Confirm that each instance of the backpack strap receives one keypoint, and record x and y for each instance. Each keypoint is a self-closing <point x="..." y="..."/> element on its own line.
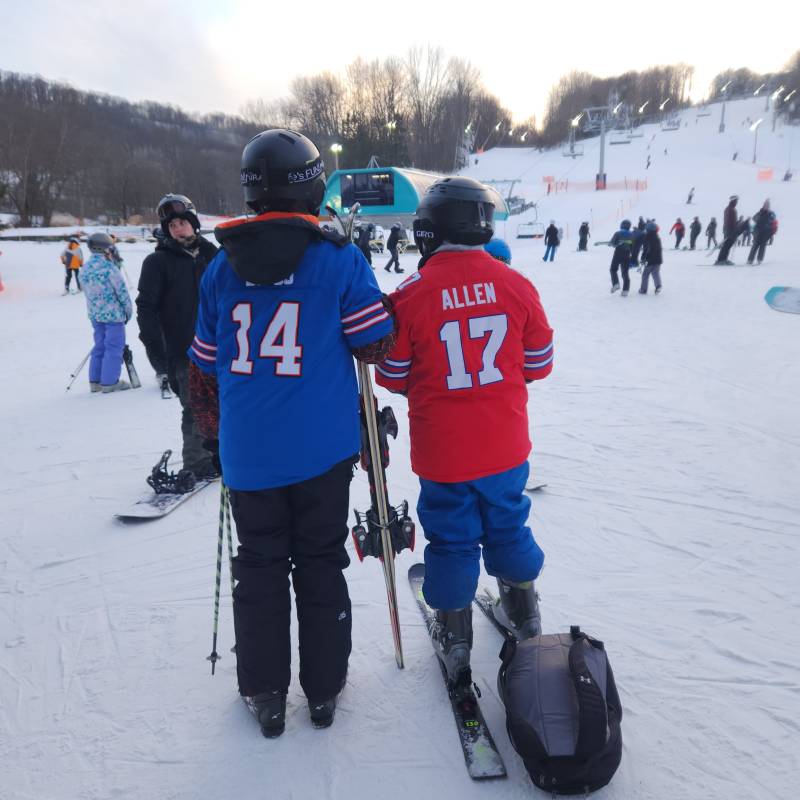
<point x="507" y="652"/>
<point x="592" y="710"/>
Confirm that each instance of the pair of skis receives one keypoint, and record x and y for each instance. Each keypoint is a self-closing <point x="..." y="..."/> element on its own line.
<point x="383" y="530"/>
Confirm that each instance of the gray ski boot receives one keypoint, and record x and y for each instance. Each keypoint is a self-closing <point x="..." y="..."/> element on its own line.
<point x="452" y="640"/>
<point x="518" y="608"/>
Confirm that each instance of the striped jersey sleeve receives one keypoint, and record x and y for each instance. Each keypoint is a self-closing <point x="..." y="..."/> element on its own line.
<point x="203" y="350"/>
<point x="392" y="373"/>
<point x="538" y="341"/>
<point x="364" y="319"/>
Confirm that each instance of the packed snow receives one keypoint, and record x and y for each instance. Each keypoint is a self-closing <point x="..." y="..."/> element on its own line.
<point x="668" y="436"/>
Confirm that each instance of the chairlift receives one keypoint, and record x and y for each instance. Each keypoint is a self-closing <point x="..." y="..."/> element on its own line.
<point x="530" y="230"/>
<point x="635" y="134"/>
<point x="619" y="140"/>
<point x="703" y="114"/>
<point x="671" y="124"/>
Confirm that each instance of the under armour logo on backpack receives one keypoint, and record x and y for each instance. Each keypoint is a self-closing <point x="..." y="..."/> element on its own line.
<point x="342" y="615"/>
<point x="584" y="679"/>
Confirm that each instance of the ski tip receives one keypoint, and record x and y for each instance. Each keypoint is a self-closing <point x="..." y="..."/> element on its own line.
<point x="416" y="571"/>
<point x="535" y="487"/>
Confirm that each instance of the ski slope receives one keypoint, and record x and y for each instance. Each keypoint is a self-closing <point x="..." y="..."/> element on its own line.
<point x="668" y="435"/>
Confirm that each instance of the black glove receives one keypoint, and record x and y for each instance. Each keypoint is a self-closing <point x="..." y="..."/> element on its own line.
<point x="212" y="447"/>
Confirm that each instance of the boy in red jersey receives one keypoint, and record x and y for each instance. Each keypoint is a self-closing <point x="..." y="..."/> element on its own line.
<point x="471" y="333"/>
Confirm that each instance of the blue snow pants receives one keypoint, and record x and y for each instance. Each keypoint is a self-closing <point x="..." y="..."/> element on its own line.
<point x="459" y="519"/>
<point x="105" y="363"/>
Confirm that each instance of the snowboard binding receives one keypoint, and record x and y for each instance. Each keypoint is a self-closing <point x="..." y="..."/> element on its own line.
<point x="368" y="528"/>
<point x="162" y="481"/>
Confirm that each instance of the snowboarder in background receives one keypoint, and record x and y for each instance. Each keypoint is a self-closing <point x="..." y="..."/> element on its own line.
<point x="551" y="241"/>
<point x="694" y="231"/>
<point x="729" y="232"/>
<point x="280" y="407"/>
<point x="499" y="249"/>
<point x="679" y="229"/>
<point x="583" y="236"/>
<point x="653" y="259"/>
<point x="364" y="237"/>
<point x="763" y="228"/>
<point x="167" y="309"/>
<point x="72" y="259"/>
<point x="690" y="197"/>
<point x="109" y="308"/>
<point x="391" y="246"/>
<point x="622" y="242"/>
<point x="469" y="429"/>
<point x="711" y="232"/>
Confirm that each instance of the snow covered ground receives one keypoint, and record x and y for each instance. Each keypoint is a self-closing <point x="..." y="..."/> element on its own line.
<point x="668" y="434"/>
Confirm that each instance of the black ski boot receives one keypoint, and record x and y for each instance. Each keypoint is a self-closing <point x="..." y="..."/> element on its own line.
<point x="322" y="713"/>
<point x="518" y="608"/>
<point x="269" y="708"/>
<point x="452" y="640"/>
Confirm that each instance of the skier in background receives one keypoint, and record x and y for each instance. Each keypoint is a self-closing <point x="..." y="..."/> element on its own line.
<point x="763" y="221"/>
<point x="711" y="232"/>
<point x="364" y="237"/>
<point x="391" y="246"/>
<point x="679" y="229"/>
<point x="280" y="408"/>
<point x="167" y="309"/>
<point x="583" y="236"/>
<point x="622" y="242"/>
<point x="694" y="231"/>
<point x="469" y="425"/>
<point x="551" y="241"/>
<point x="653" y="258"/>
<point x="730" y="232"/>
<point x="109" y="308"/>
<point x="690" y="197"/>
<point x="747" y="231"/>
<point x="72" y="259"/>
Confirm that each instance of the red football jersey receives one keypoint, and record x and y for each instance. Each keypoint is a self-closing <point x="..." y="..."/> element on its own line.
<point x="470" y="332"/>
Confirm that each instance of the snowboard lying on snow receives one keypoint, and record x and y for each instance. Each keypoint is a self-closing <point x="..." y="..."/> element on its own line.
<point x="169" y="490"/>
<point x="784" y="298"/>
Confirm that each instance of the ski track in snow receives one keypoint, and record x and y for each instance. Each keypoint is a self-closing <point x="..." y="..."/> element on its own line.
<point x="669" y="439"/>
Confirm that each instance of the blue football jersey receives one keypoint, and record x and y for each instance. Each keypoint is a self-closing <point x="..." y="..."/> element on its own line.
<point x="288" y="395"/>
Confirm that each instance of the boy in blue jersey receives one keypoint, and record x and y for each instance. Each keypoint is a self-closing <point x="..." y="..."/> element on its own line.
<point x="283" y="309"/>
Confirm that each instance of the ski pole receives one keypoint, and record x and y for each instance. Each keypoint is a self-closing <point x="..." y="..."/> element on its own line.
<point x="223" y="499"/>
<point x="77" y="370"/>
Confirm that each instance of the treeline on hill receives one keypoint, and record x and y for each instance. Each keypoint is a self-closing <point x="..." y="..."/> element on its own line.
<point x="103" y="157"/>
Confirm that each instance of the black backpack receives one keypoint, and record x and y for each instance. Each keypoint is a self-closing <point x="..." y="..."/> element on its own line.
<point x="562" y="710"/>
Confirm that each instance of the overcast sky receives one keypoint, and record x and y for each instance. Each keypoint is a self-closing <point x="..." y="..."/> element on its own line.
<point x="213" y="55"/>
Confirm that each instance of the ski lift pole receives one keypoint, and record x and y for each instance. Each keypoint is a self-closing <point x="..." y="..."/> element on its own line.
<point x="382" y="507"/>
<point x="77" y="371"/>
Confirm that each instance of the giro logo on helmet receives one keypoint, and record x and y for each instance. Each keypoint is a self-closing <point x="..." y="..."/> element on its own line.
<point x="425" y="234"/>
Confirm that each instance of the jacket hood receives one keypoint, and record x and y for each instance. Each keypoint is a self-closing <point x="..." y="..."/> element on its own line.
<point x="267" y="249"/>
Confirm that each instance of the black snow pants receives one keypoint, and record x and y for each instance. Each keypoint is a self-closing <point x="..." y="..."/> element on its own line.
<point x="68" y="279"/>
<point x="299" y="529"/>
<point x="725" y="248"/>
<point x="758" y="249"/>
<point x="195" y="457"/>
<point x="621" y="260"/>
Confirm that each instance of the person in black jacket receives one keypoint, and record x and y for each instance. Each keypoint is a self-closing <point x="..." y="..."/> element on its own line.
<point x="391" y="246"/>
<point x="711" y="233"/>
<point x="166" y="310"/>
<point x="364" y="236"/>
<point x="583" y="236"/>
<point x="694" y="231"/>
<point x="654" y="258"/>
<point x="551" y="241"/>
<point x="762" y="233"/>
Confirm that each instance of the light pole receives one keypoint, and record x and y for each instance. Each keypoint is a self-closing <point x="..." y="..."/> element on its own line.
<point x="643" y="106"/>
<point x="722" y="116"/>
<point x="661" y="107"/>
<point x="336" y="149"/>
<point x="754" y="128"/>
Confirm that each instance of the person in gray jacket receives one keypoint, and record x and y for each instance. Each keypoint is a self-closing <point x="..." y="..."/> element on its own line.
<point x="654" y="258"/>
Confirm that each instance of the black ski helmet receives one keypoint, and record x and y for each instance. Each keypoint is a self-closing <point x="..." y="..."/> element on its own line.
<point x="282" y="170"/>
<point x="100" y="243"/>
<point x="458" y="210"/>
<point x="177" y="206"/>
<point x="625" y="224"/>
